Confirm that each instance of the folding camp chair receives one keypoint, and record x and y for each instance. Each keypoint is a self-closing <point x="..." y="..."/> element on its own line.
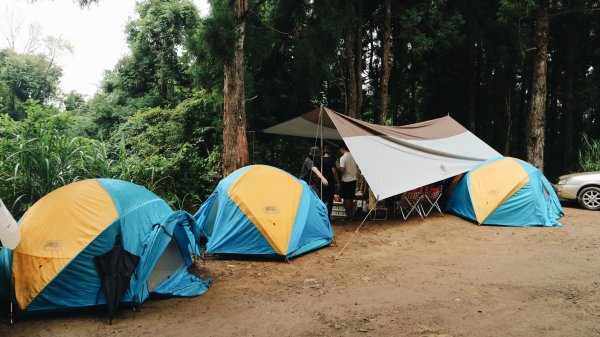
<point x="409" y="201"/>
<point x="431" y="197"/>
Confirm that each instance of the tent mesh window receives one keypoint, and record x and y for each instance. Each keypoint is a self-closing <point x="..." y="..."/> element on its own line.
<point x="170" y="262"/>
<point x="546" y="194"/>
<point x="210" y="220"/>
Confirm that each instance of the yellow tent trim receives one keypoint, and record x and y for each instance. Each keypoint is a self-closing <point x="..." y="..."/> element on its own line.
<point x="493" y="184"/>
<point x="270" y="198"/>
<point x="58" y="227"/>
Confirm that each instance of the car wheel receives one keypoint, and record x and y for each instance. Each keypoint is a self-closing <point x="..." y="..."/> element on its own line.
<point x="589" y="198"/>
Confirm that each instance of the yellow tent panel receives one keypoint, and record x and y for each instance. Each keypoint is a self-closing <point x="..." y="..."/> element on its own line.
<point x="69" y="227"/>
<point x="271" y="208"/>
<point x="494" y="183"/>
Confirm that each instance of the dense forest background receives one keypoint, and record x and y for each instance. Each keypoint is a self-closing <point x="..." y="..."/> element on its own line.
<point x="189" y="102"/>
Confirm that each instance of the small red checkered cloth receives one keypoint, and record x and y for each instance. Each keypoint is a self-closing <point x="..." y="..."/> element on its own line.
<point x="433" y="191"/>
<point x="411" y="196"/>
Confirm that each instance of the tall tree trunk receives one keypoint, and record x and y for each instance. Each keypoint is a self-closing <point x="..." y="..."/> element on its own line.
<point x="385" y="62"/>
<point x="358" y="64"/>
<point x="508" y="104"/>
<point x="351" y="93"/>
<point x="412" y="104"/>
<point x="353" y="57"/>
<point x="537" y="114"/>
<point x="471" y="41"/>
<point x="503" y="99"/>
<point x="553" y="118"/>
<point x="520" y="118"/>
<point x="235" y="143"/>
<point x="571" y="60"/>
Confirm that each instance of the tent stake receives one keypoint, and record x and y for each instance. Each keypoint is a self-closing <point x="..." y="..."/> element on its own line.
<point x="11" y="315"/>
<point x="365" y="219"/>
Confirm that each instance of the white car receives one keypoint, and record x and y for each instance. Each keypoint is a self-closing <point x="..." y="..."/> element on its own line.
<point x="583" y="187"/>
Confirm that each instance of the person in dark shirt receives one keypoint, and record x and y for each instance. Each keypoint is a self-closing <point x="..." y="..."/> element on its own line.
<point x="331" y="175"/>
<point x="310" y="172"/>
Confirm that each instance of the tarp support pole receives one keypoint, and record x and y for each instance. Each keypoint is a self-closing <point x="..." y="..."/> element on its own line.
<point x="321" y="132"/>
<point x="356" y="231"/>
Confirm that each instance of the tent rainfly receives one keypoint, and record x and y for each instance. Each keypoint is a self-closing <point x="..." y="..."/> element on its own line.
<point x="96" y="242"/>
<point x="506" y="191"/>
<point x="264" y="211"/>
<point x="396" y="159"/>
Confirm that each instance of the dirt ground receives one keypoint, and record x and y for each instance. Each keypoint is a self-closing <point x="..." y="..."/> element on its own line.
<point x="439" y="277"/>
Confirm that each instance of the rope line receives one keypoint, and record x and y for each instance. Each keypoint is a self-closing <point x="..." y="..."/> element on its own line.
<point x="356" y="231"/>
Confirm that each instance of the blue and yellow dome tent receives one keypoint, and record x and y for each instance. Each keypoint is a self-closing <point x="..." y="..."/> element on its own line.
<point x="508" y="192"/>
<point x="53" y="267"/>
<point x="262" y="210"/>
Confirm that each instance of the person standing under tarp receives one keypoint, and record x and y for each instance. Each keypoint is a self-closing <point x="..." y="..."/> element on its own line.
<point x="349" y="170"/>
<point x="331" y="175"/>
<point x="310" y="173"/>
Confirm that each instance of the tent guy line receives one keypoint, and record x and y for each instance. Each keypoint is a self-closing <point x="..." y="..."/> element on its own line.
<point x="356" y="231"/>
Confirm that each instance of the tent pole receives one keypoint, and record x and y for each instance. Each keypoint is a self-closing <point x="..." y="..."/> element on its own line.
<point x="321" y="132"/>
<point x="365" y="219"/>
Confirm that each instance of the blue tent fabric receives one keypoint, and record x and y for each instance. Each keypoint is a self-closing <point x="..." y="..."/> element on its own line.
<point x="534" y="204"/>
<point x="177" y="226"/>
<point x="513" y="210"/>
<point x="61" y="293"/>
<point x="230" y="231"/>
<point x="136" y="205"/>
<point x="555" y="210"/>
<point x="147" y="225"/>
<point x="236" y="233"/>
<point x="308" y="229"/>
<point x="5" y="268"/>
<point x="459" y="202"/>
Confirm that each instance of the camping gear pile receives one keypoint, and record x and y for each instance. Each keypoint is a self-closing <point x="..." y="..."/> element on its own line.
<point x="401" y="160"/>
<point x="110" y="242"/>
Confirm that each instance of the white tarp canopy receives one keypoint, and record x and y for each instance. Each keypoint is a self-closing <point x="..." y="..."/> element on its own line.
<point x="396" y="159"/>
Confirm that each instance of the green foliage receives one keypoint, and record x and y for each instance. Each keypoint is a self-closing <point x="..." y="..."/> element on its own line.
<point x="155" y="74"/>
<point x="74" y="101"/>
<point x="426" y="26"/>
<point x="102" y="115"/>
<point x="510" y="10"/>
<point x="24" y="77"/>
<point x="157" y="118"/>
<point x="589" y="155"/>
<point x="39" y="154"/>
<point x="155" y="38"/>
<point x="217" y="35"/>
<point x="174" y="152"/>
